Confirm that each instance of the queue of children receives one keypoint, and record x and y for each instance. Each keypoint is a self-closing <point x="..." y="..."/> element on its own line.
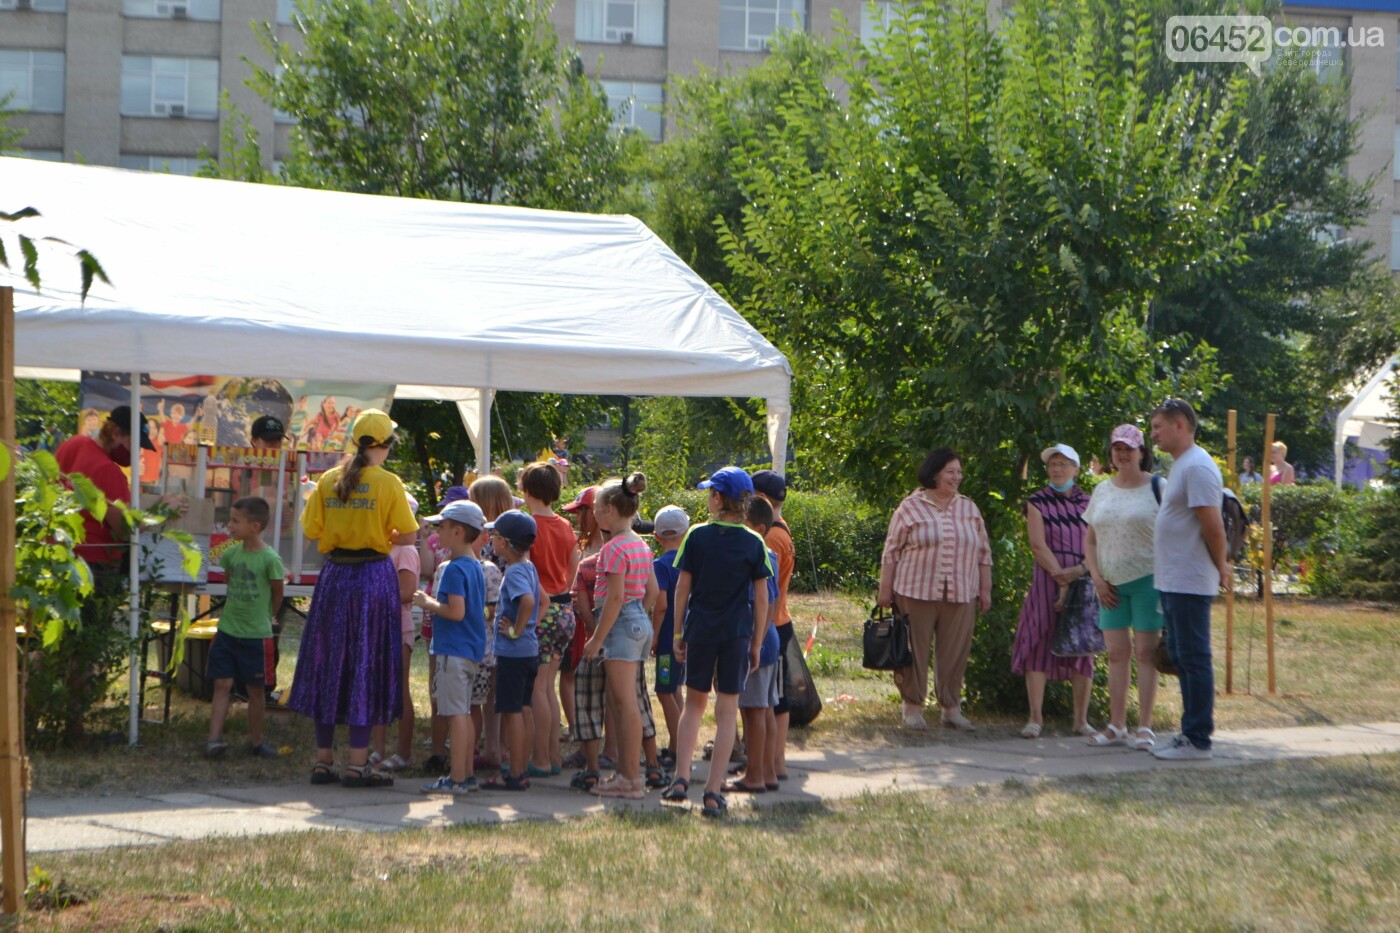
<point x="513" y="603"/>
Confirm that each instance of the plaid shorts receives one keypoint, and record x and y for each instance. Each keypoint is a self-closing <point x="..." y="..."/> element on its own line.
<point x="590" y="689"/>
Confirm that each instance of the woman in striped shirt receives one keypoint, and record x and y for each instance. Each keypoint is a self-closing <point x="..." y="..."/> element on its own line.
<point x="937" y="568"/>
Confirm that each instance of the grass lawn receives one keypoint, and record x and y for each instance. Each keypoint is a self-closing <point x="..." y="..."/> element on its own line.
<point x="1335" y="664"/>
<point x="1296" y="845"/>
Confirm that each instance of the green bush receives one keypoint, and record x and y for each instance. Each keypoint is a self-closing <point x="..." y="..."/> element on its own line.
<point x="1324" y="533"/>
<point x="1370" y="569"/>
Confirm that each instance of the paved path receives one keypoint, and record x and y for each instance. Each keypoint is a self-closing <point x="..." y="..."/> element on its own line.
<point x="64" y="823"/>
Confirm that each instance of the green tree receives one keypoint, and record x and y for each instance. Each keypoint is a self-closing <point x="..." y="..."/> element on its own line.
<point x="463" y="100"/>
<point x="1305" y="309"/>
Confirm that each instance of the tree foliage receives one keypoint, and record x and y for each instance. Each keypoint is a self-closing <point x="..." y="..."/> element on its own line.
<point x="462" y="100"/>
<point x="964" y="252"/>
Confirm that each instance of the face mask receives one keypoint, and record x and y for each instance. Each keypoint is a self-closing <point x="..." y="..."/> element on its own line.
<point x="1062" y="487"/>
<point x="121" y="454"/>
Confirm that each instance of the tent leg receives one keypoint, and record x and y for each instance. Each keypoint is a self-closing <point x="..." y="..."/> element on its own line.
<point x="483" y="432"/>
<point x="134" y="610"/>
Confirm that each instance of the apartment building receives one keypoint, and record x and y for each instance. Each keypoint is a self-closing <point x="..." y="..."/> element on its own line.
<point x="135" y="83"/>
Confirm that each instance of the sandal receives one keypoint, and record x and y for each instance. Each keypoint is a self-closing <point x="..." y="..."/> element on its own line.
<point x="395" y="762"/>
<point x="623" y="788"/>
<point x="1031" y="730"/>
<point x="657" y="778"/>
<point x="1112" y="735"/>
<point x="714" y="805"/>
<point x="576" y="760"/>
<point x="585" y="780"/>
<point x="678" y="792"/>
<point x="737" y="787"/>
<point x="322" y="773"/>
<point x="507" y="782"/>
<point x="1086" y="729"/>
<point x="667" y="759"/>
<point x="708" y="751"/>
<point x="533" y="771"/>
<point x="365" y="775"/>
<point x="1144" y="739"/>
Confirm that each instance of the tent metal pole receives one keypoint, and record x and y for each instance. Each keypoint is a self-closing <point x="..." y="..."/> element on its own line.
<point x="483" y="431"/>
<point x="134" y="562"/>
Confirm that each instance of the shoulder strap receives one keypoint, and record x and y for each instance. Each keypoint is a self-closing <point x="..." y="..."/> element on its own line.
<point x="1157" y="488"/>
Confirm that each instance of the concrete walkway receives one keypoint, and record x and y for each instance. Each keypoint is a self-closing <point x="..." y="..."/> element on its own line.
<point x="65" y="823"/>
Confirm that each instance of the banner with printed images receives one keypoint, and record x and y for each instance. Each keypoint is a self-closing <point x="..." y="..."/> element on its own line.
<point x="220" y="410"/>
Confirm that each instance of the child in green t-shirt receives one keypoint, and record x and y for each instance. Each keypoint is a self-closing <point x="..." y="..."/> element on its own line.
<point x="243" y="648"/>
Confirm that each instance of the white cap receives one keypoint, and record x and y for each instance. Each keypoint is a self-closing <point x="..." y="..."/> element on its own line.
<point x="671" y="520"/>
<point x="1067" y="451"/>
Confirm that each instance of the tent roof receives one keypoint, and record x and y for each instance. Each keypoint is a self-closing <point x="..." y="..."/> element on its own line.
<point x="265" y="280"/>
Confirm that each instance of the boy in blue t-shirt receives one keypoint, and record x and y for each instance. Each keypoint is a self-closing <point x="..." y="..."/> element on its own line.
<point x="459" y="637"/>
<point x="517" y="641"/>
<point x="716" y="624"/>
<point x="669" y="528"/>
<point x="761" y="688"/>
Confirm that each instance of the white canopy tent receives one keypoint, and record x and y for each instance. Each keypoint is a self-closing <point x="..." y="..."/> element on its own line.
<point x="1363" y="418"/>
<point x="447" y="301"/>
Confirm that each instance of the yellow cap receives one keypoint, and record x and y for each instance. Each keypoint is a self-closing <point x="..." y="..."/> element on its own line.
<point x="372" y="423"/>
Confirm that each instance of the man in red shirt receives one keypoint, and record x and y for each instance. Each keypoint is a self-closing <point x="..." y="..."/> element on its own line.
<point x="100" y="460"/>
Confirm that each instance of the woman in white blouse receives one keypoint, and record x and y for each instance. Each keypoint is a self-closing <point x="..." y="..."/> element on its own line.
<point x="1118" y="553"/>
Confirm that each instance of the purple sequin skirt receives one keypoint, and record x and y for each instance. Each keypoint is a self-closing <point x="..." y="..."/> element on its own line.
<point x="349" y="667"/>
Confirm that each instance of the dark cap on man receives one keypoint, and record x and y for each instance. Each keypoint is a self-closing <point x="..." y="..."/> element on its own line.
<point x="121" y="415"/>
<point x="268" y="428"/>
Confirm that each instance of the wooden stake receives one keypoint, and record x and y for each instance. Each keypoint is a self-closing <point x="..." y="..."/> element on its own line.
<point x="1266" y="523"/>
<point x="1230" y="593"/>
<point x="11" y="737"/>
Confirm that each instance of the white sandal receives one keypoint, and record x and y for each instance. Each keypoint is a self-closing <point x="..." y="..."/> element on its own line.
<point x="394" y="762"/>
<point x="1112" y="735"/>
<point x="1144" y="740"/>
<point x="1031" y="730"/>
<point x="1086" y="729"/>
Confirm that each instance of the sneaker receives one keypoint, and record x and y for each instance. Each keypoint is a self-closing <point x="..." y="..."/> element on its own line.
<point x="262" y="750"/>
<point x="215" y="748"/>
<point x="445" y="785"/>
<point x="1180" y="749"/>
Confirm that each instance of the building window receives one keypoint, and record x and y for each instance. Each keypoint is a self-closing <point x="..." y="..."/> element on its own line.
<point x="747" y="25"/>
<point x="170" y="165"/>
<point x="38" y="6"/>
<point x="630" y="22"/>
<point x="875" y="17"/>
<point x="286" y="9"/>
<point x="172" y="9"/>
<point x="31" y="81"/>
<point x="636" y="105"/>
<point x="41" y="155"/>
<point x="169" y="87"/>
<point x="1395" y="243"/>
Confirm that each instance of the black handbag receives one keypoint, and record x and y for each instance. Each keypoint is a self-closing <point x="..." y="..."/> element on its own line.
<point x="803" y="701"/>
<point x="886" y="641"/>
<point x="1077" y="632"/>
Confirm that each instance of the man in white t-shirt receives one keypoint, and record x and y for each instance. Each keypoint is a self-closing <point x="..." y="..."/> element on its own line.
<point x="1190" y="567"/>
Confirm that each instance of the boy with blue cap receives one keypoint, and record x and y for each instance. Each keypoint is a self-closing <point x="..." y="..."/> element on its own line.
<point x="718" y="634"/>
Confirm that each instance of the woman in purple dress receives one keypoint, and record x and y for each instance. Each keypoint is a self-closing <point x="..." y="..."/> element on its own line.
<point x="1055" y="526"/>
<point x="348" y="668"/>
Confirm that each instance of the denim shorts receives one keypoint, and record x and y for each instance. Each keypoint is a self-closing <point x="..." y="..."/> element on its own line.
<point x="630" y="637"/>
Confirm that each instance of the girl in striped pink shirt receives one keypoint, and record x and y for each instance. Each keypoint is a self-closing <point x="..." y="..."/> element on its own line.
<point x="626" y="590"/>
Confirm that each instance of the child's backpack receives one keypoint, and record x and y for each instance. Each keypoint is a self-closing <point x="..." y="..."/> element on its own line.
<point x="1232" y="515"/>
